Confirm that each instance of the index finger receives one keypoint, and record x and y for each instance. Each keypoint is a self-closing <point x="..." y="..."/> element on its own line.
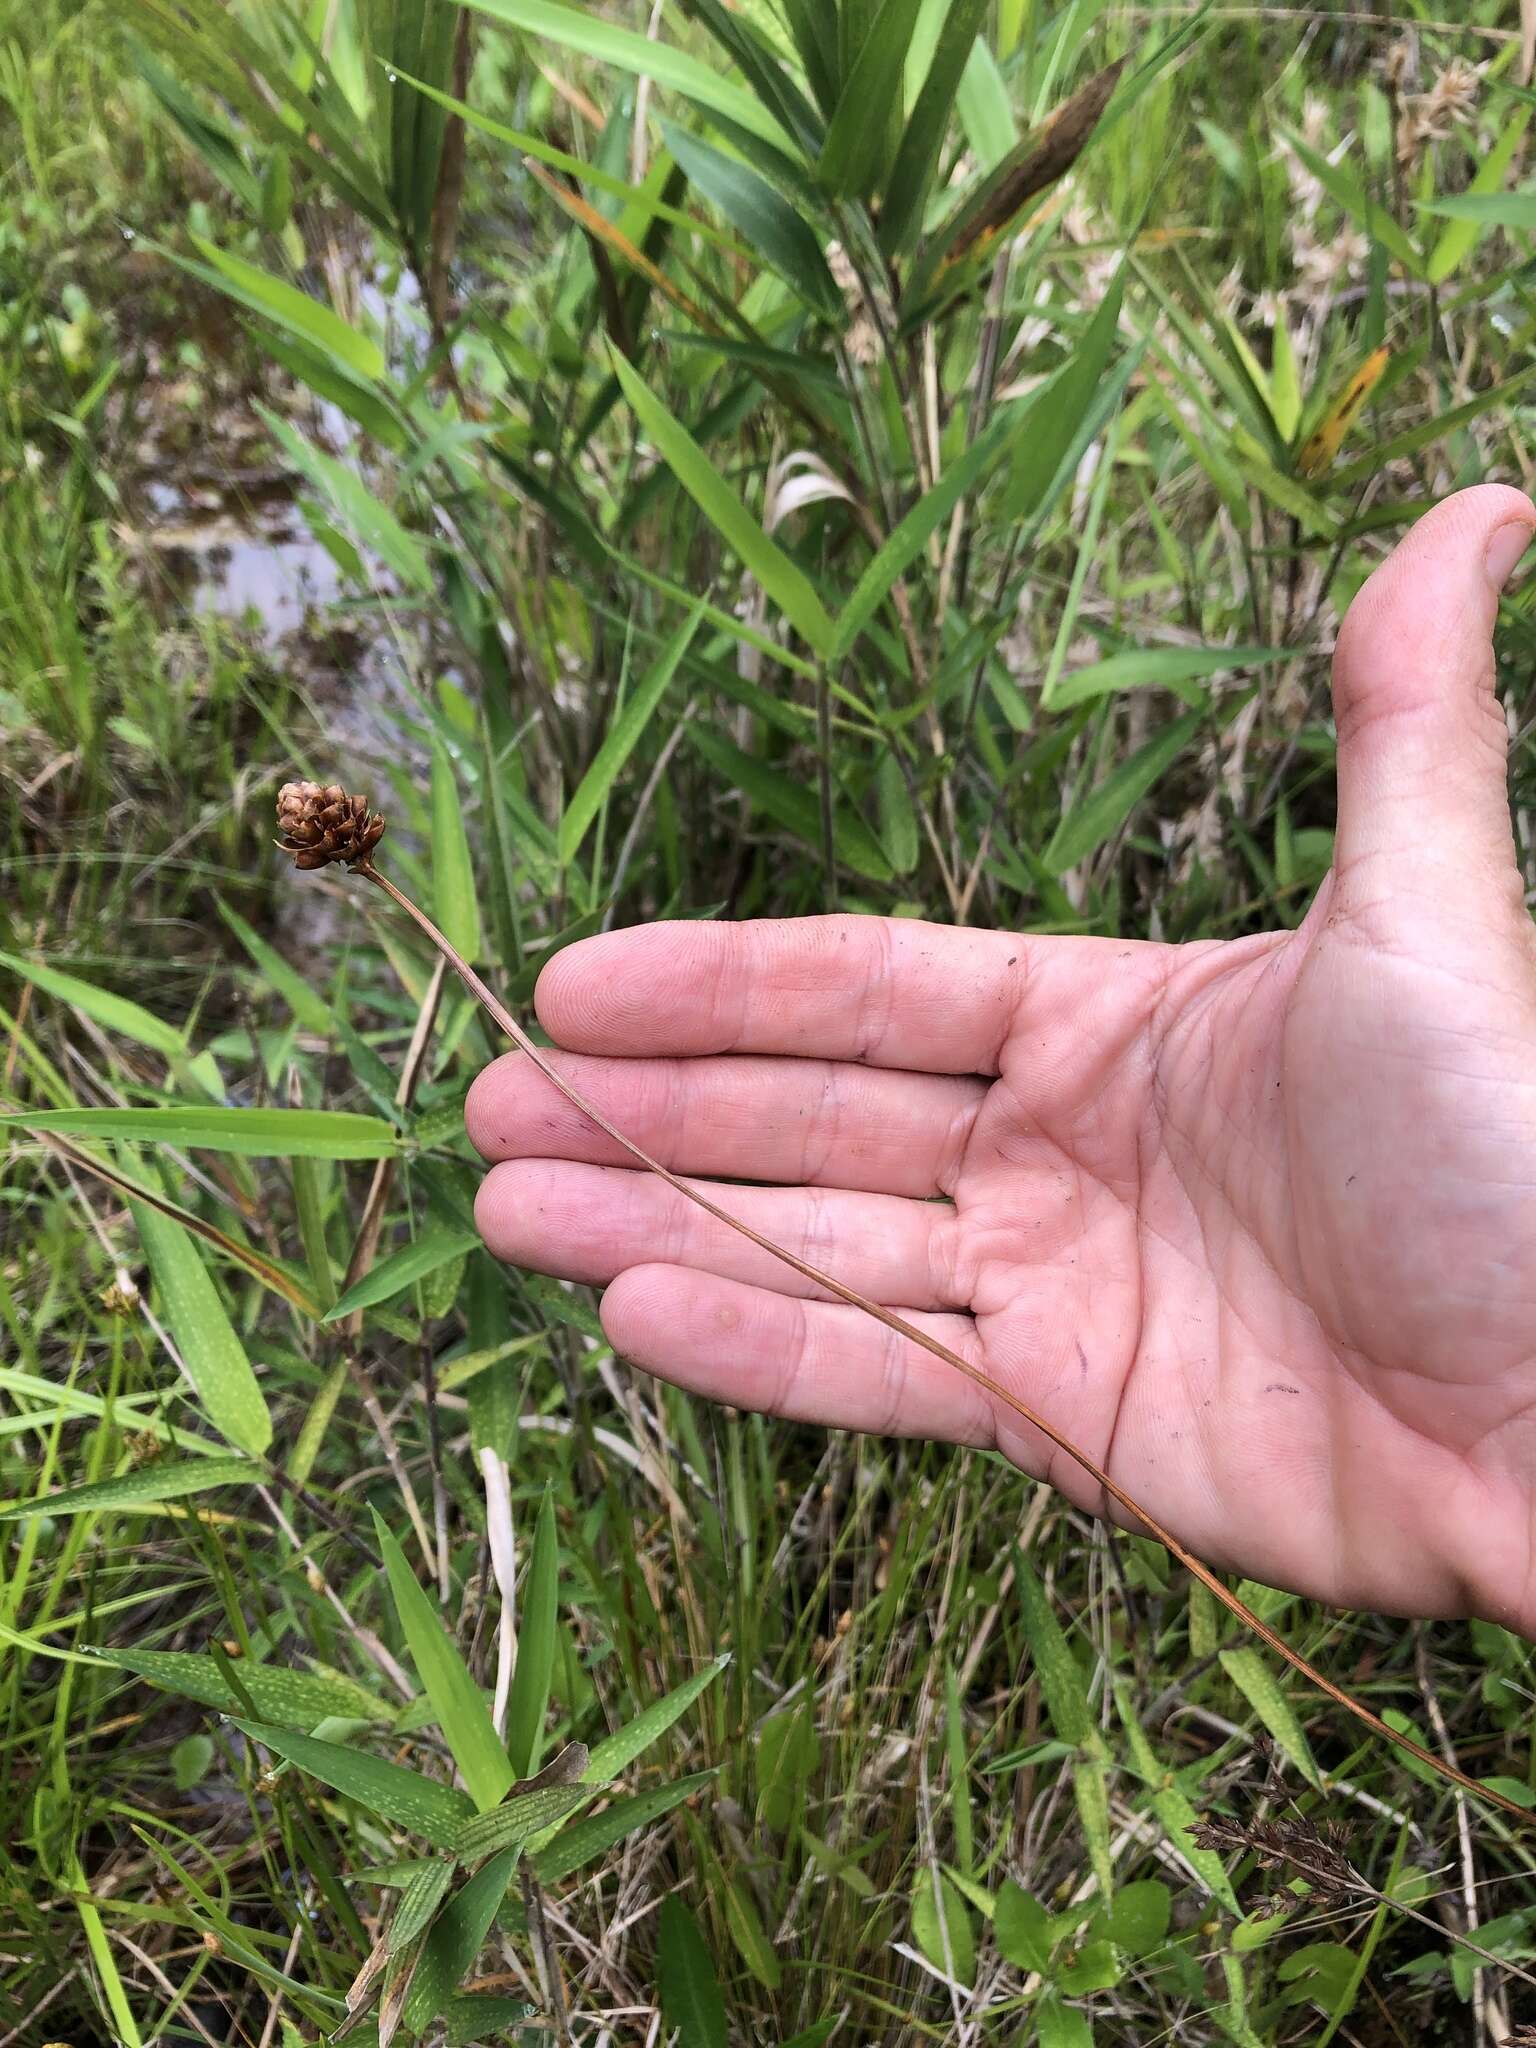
<point x="891" y="992"/>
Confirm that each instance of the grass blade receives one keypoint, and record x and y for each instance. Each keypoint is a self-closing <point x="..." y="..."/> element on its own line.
<point x="911" y="180"/>
<point x="620" y="1749"/>
<point x="212" y="1355"/>
<point x="1087" y="825"/>
<point x="423" y="1255"/>
<point x="457" y="1701"/>
<point x="455" y="1940"/>
<point x="293" y="1699"/>
<point x="294" y="311"/>
<point x="113" y="1013"/>
<point x="691" y="2000"/>
<point x="584" y="1840"/>
<point x="166" y="1479"/>
<point x="770" y="224"/>
<point x="592" y="36"/>
<point x="785" y="583"/>
<point x="435" y="1812"/>
<point x="858" y="135"/>
<point x="453" y="873"/>
<point x="251" y="1133"/>
<point x="529" y="1696"/>
<point x="621" y="739"/>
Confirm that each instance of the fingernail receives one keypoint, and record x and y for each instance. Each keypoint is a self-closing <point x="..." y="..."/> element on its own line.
<point x="1506" y="547"/>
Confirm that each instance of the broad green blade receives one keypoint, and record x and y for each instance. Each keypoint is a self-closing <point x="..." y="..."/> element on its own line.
<point x="165" y="1479"/>
<point x="788" y="585"/>
<point x="211" y="1353"/>
<point x="436" y="1812"/>
<point x="254" y="1133"/>
<point x="456" y="1700"/>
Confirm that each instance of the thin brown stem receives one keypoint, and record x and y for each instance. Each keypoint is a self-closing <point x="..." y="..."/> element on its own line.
<point x="901" y="1328"/>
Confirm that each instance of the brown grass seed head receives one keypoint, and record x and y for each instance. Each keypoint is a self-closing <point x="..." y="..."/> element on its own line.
<point x="321" y="823"/>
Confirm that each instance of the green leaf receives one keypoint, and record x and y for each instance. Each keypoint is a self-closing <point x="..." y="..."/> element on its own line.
<point x="1090" y="1790"/>
<point x="1162" y="668"/>
<point x="294" y="310"/>
<point x="1513" y="210"/>
<point x="455" y="1941"/>
<point x="292" y="1699"/>
<point x="529" y="1696"/>
<point x="1066" y="1695"/>
<point x="617" y="1751"/>
<point x="456" y="1700"/>
<point x="788" y="585"/>
<point x="308" y="1006"/>
<point x="907" y="540"/>
<point x="772" y="226"/>
<point x="644" y="56"/>
<point x="792" y="805"/>
<point x="1072" y="391"/>
<point x="212" y="1355"/>
<point x="372" y="525"/>
<point x="911" y="180"/>
<point x="254" y="1133"/>
<point x="584" y="1840"/>
<point x="746" y="1928"/>
<point x="787" y="1752"/>
<point x="1344" y="190"/>
<point x="621" y="739"/>
<point x="1138" y="1920"/>
<point x="1093" y="1968"/>
<point x="522" y="1817"/>
<point x="1088" y="824"/>
<point x="484" y="2016"/>
<point x="854" y="153"/>
<point x="940" y="1921"/>
<point x="1172" y="1807"/>
<point x="1022" y="1928"/>
<point x="423" y="1255"/>
<point x="1460" y="238"/>
<point x="191" y="1761"/>
<point x="1059" y="2026"/>
<point x="1262" y="1690"/>
<point x="435" y="1812"/>
<point x="898" y="820"/>
<point x="453" y="873"/>
<point x="689" y="1990"/>
<point x="419" y="1900"/>
<point x="113" y="1013"/>
<point x="165" y="1479"/>
<point x="985" y="110"/>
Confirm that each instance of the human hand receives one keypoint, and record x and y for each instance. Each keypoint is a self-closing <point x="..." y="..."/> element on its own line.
<point x="1252" y="1223"/>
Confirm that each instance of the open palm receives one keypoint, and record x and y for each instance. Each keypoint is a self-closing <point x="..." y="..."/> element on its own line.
<point x="1253" y="1224"/>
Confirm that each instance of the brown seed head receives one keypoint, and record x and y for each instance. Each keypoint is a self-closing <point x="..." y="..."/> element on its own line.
<point x="321" y="823"/>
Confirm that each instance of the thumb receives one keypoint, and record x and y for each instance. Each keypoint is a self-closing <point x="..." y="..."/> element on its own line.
<point x="1423" y="801"/>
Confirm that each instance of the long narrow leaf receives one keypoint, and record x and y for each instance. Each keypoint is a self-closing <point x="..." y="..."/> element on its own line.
<point x="456" y="1700"/>
<point x="212" y="1355"/>
<point x="435" y="1812"/>
<point x="253" y="1133"/>
<point x="787" y="585"/>
<point x="906" y="543"/>
<point x="529" y="1696"/>
<point x="621" y="739"/>
<point x="911" y="180"/>
<point x="1085" y="828"/>
<point x="592" y="36"/>
<point x="294" y="1699"/>
<point x="166" y="1479"/>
